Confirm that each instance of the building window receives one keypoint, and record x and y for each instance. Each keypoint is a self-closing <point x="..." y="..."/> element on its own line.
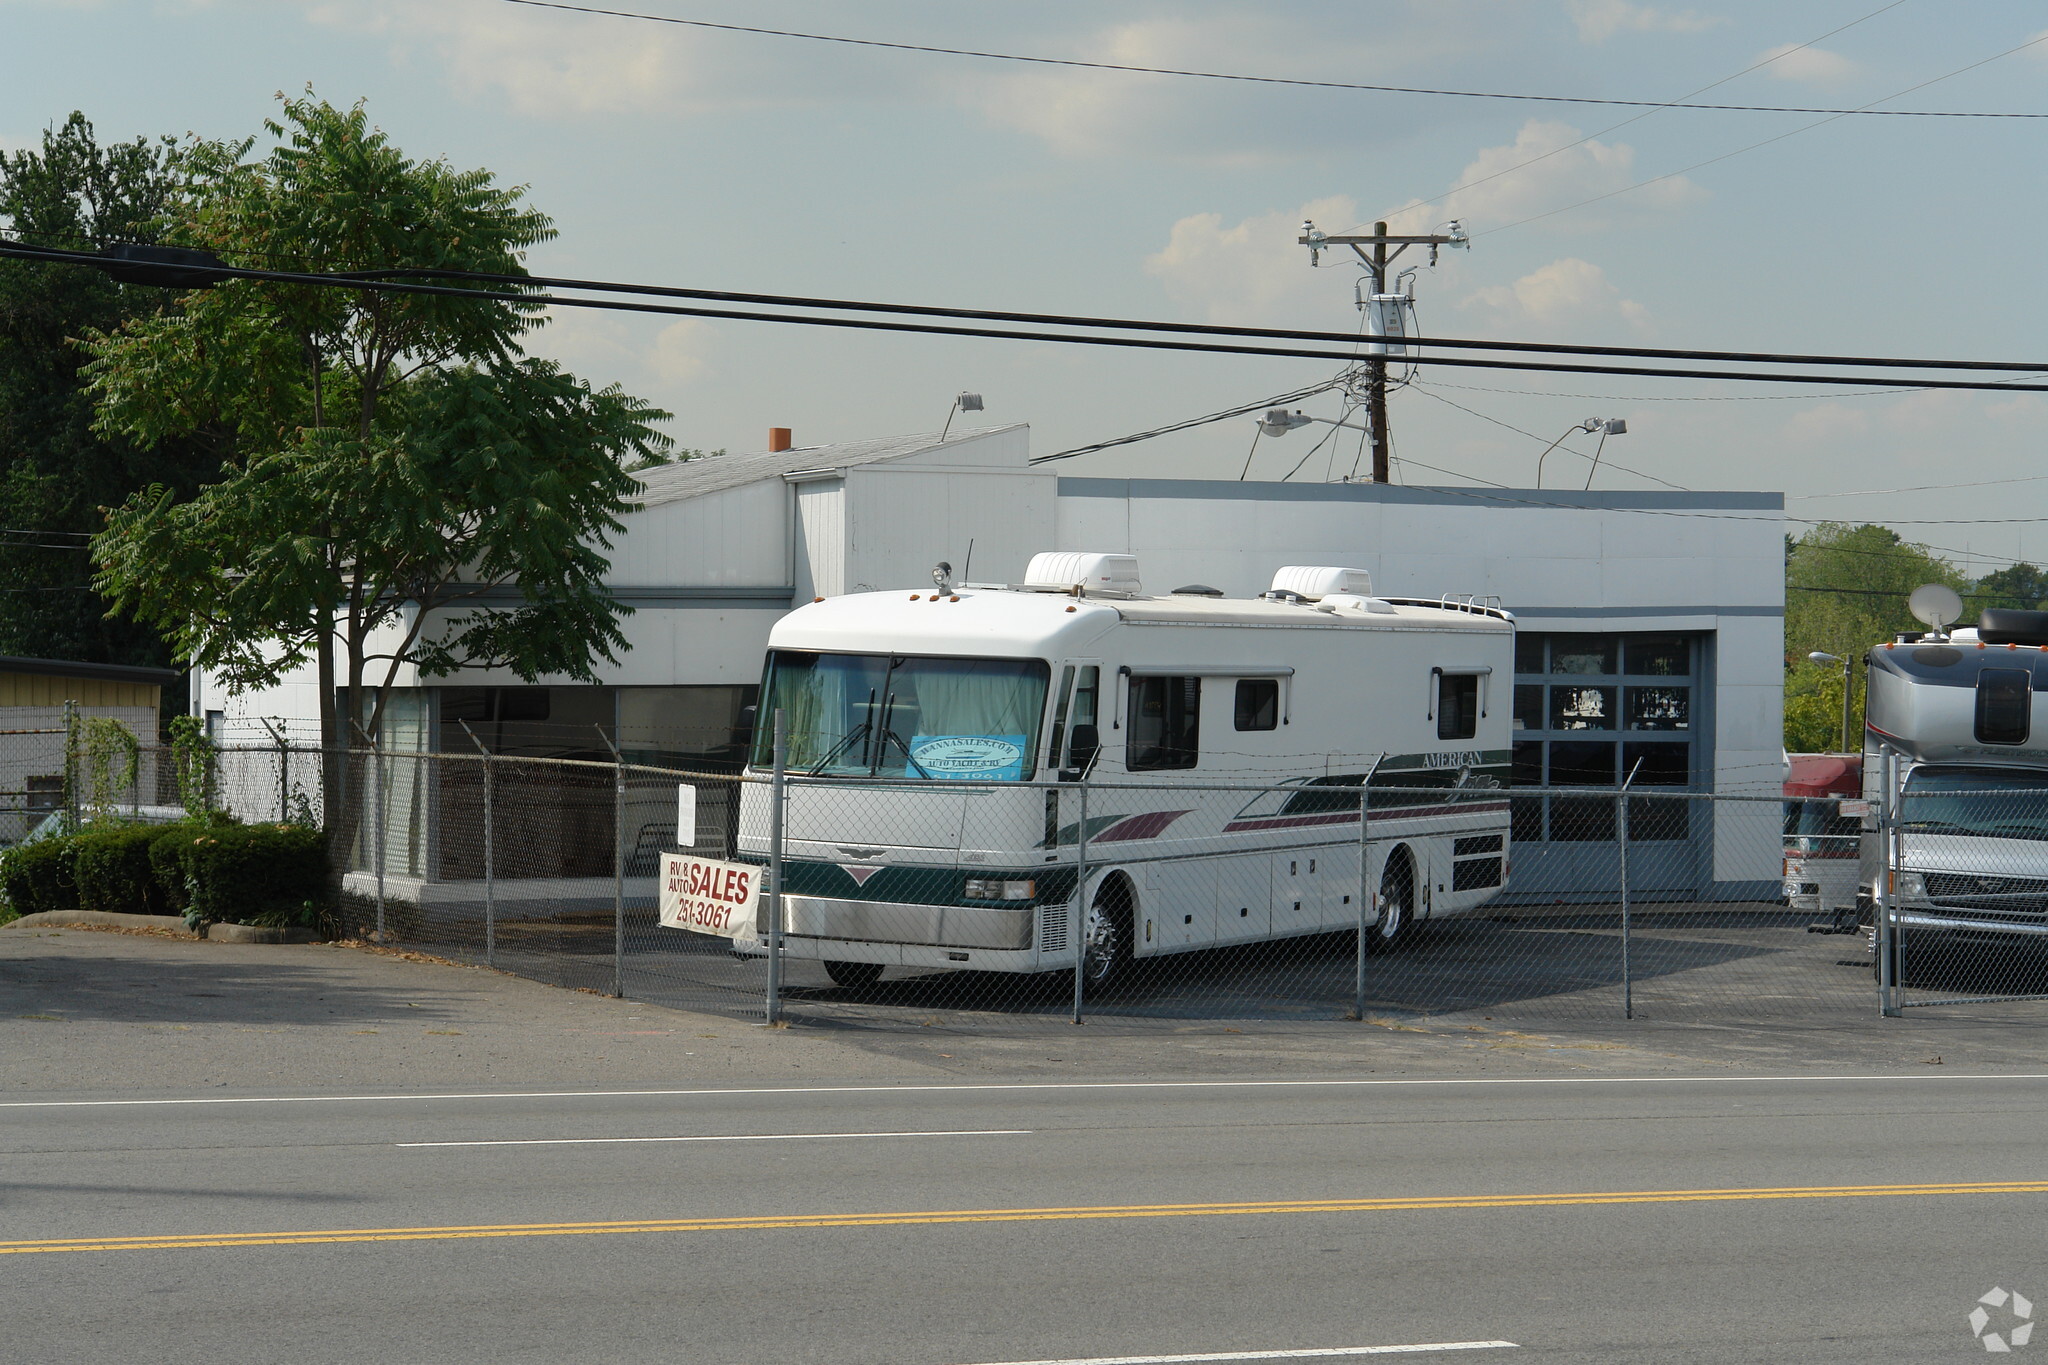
<point x="1258" y="704"/>
<point x="45" y="793"/>
<point x="1166" y="723"/>
<point x="1596" y="711"/>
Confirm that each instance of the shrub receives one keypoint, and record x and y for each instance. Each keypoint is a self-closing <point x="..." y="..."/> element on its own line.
<point x="40" y="875"/>
<point x="113" y="870"/>
<point x="166" y="870"/>
<point x="247" y="874"/>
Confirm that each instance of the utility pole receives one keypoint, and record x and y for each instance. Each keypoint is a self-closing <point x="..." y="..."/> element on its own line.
<point x="1387" y="312"/>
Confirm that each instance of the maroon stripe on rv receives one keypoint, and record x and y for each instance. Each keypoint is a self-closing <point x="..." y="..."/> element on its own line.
<point x="1351" y="817"/>
<point x="1146" y="826"/>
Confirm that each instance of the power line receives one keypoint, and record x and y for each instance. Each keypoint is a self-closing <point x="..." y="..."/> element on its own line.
<point x="1832" y="116"/>
<point x="1423" y="389"/>
<point x="1256" y="80"/>
<point x="1634" y="118"/>
<point x="1917" y="488"/>
<point x="388" y="280"/>
<point x="1276" y="401"/>
<point x="359" y="281"/>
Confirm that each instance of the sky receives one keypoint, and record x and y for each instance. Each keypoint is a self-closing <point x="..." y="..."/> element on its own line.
<point x="678" y="155"/>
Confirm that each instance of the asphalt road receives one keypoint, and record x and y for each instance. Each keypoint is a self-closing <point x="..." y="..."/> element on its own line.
<point x="1589" y="1219"/>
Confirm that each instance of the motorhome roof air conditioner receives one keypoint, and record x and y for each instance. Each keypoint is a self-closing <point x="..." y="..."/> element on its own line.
<point x="1315" y="582"/>
<point x="1094" y="572"/>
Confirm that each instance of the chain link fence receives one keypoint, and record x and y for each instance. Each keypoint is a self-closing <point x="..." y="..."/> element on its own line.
<point x="1961" y="891"/>
<point x="1002" y="904"/>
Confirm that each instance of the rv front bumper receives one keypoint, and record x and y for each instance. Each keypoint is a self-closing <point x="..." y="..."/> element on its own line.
<point x="939" y="926"/>
<point x="1920" y="918"/>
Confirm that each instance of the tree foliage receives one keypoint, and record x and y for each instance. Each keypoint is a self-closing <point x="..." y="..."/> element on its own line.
<point x="1845" y="590"/>
<point x="56" y="471"/>
<point x="402" y="485"/>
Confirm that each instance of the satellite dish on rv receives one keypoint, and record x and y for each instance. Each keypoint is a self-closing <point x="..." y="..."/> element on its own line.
<point x="1937" y="604"/>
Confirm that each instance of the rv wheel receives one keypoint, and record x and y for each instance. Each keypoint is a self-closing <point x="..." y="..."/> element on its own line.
<point x="853" y="974"/>
<point x="1397" y="904"/>
<point x="1106" y="938"/>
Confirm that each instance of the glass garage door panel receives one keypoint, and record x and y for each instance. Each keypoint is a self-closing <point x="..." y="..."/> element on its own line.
<point x="1592" y="711"/>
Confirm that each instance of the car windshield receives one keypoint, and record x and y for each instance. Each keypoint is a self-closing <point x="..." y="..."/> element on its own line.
<point x="880" y="715"/>
<point x="1997" y="803"/>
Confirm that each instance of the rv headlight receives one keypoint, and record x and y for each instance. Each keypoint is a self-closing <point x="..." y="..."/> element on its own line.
<point x="996" y="889"/>
<point x="1909" y="886"/>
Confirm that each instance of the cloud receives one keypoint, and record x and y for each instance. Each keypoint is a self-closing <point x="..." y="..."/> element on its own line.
<point x="1542" y="170"/>
<point x="682" y="350"/>
<point x="1254" y="271"/>
<point x="1091" y="113"/>
<point x="1565" y="295"/>
<point x="605" y="349"/>
<point x="1599" y="20"/>
<point x="1810" y="65"/>
<point x="541" y="65"/>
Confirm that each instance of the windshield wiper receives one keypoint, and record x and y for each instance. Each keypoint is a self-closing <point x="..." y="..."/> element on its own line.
<point x="853" y="736"/>
<point x="908" y="757"/>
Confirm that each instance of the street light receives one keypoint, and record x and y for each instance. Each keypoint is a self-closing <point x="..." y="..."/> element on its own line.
<point x="1606" y="426"/>
<point x="1846" y="664"/>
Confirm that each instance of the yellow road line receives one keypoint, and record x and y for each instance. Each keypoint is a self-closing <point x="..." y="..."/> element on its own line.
<point x="763" y="1222"/>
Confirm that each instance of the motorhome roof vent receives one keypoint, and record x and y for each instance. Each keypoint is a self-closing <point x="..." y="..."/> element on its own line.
<point x="2011" y="626"/>
<point x="1198" y="590"/>
<point x="1092" y="572"/>
<point x="1315" y="582"/>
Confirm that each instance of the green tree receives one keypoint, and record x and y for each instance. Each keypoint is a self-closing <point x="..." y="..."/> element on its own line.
<point x="2017" y="585"/>
<point x="402" y="485"/>
<point x="1845" y="591"/>
<point x="56" y="471"/>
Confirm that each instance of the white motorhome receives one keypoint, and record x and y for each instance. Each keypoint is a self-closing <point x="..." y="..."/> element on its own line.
<point x="939" y="741"/>
<point x="1964" y="717"/>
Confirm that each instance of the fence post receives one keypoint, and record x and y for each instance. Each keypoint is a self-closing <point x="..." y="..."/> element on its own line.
<point x="1628" y="985"/>
<point x="1888" y="951"/>
<point x="71" y="821"/>
<point x="778" y="790"/>
<point x="1080" y="916"/>
<point x="490" y="851"/>
<point x="618" y="865"/>
<point x="377" y="831"/>
<point x="1365" y="907"/>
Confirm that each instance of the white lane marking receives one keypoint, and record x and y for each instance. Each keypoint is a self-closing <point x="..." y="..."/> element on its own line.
<point x="1318" y="1353"/>
<point x="723" y="1137"/>
<point x="1442" y="1081"/>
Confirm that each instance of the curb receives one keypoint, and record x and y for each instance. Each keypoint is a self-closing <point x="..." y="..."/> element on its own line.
<point x="57" y="918"/>
<point x="250" y="933"/>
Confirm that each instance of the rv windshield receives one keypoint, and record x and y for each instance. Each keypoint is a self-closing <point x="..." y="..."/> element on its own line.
<point x="1993" y="803"/>
<point x="880" y="715"/>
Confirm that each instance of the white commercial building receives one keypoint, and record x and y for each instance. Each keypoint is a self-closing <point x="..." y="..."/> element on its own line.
<point x="1650" y="623"/>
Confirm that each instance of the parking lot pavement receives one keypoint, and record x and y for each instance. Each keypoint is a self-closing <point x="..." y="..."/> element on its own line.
<point x="82" y="1011"/>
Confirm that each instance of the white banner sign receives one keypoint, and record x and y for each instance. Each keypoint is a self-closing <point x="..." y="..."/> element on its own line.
<point x="706" y="896"/>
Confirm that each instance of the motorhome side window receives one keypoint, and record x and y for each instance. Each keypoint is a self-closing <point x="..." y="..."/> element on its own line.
<point x="2005" y="698"/>
<point x="1258" y="704"/>
<point x="1457" y="705"/>
<point x="1166" y="723"/>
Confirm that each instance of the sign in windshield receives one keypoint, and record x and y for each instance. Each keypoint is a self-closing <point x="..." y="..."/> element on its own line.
<point x="897" y="716"/>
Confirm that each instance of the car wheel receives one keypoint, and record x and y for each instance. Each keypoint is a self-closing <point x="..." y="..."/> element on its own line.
<point x="1396" y="922"/>
<point x="1106" y="940"/>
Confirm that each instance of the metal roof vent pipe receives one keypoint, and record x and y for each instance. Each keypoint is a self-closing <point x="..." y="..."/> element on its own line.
<point x="778" y="440"/>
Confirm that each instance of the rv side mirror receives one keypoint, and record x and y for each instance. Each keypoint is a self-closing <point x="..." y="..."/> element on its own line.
<point x="1081" y="752"/>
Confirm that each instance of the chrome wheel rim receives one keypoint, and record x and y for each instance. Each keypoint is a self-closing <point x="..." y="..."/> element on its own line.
<point x="1098" y="944"/>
